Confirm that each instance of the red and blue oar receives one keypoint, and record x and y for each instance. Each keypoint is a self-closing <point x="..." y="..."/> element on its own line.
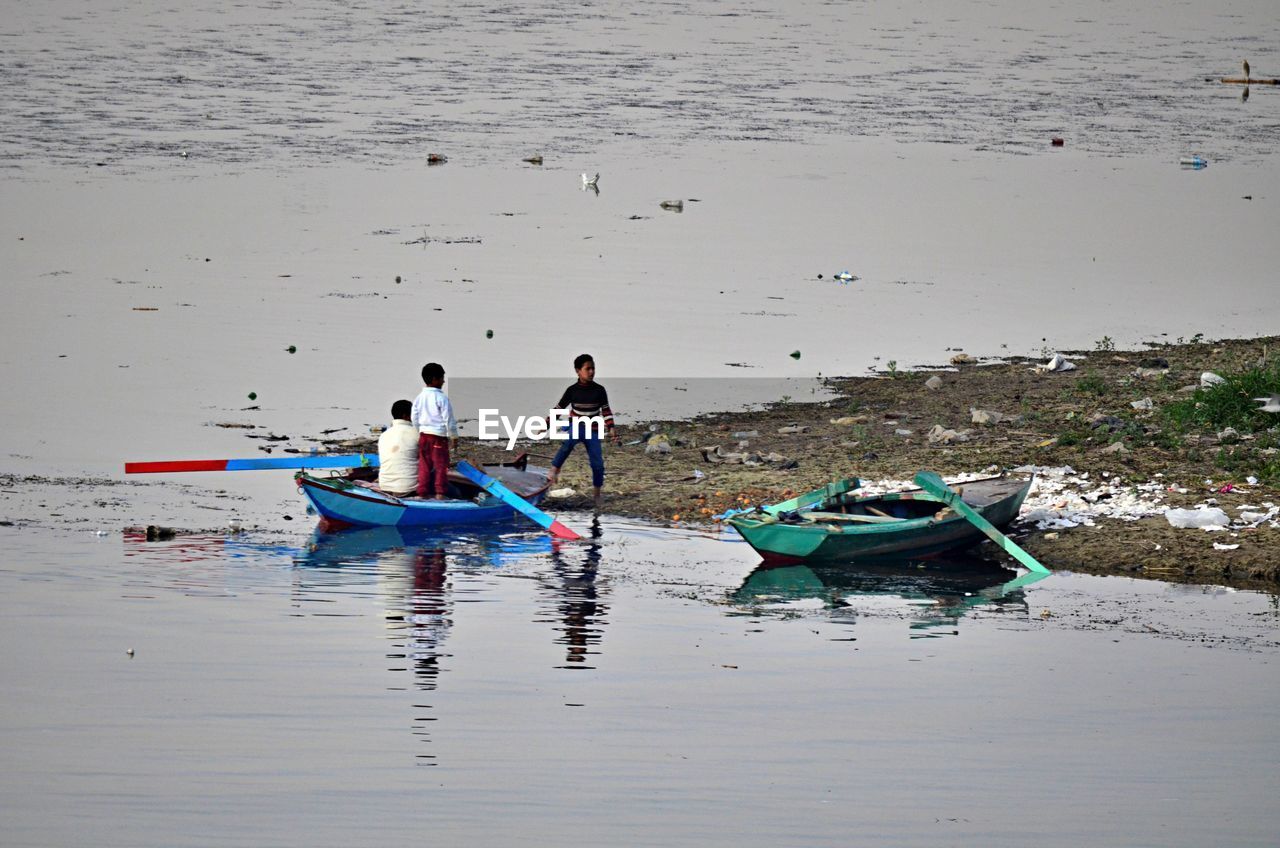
<point x="352" y="460"/>
<point x="511" y="499"/>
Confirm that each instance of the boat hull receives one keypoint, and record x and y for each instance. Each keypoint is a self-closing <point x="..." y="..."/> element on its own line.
<point x="340" y="504"/>
<point x="780" y="542"/>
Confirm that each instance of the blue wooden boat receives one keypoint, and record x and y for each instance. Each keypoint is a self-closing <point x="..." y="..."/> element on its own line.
<point x="353" y="499"/>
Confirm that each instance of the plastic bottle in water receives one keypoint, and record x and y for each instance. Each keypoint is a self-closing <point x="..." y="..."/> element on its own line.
<point x="1196" y="162"/>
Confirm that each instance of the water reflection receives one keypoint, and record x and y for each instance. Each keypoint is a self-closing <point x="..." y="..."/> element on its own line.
<point x="576" y="611"/>
<point x="413" y="572"/>
<point x="933" y="596"/>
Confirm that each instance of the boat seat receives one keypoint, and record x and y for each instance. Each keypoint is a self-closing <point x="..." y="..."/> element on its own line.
<point x="837" y="517"/>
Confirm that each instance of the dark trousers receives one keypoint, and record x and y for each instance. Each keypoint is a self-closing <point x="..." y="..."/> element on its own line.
<point x="594" y="455"/>
<point x="433" y="465"/>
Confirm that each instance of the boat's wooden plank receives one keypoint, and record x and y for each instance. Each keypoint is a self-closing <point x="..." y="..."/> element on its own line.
<point x="837" y="517"/>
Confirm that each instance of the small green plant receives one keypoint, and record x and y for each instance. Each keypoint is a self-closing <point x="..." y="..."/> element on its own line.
<point x="1092" y="383"/>
<point x="892" y="365"/>
<point x="1104" y="345"/>
<point x="1068" y="439"/>
<point x="1227" y="404"/>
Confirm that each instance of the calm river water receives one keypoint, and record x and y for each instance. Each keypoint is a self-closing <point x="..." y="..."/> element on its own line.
<point x="647" y="688"/>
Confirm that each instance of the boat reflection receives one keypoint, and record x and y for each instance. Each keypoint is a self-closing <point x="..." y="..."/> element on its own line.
<point x="575" y="609"/>
<point x="374" y="544"/>
<point x="413" y="570"/>
<point x="932" y="595"/>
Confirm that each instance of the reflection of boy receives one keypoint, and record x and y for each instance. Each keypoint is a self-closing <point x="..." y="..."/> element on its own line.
<point x="437" y="433"/>
<point x="398" y="452"/>
<point x="585" y="399"/>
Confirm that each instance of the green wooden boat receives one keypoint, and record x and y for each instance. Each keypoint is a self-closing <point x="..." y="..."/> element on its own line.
<point x="833" y="524"/>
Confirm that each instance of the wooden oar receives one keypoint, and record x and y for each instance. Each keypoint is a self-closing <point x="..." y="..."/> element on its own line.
<point x="353" y="460"/>
<point x="799" y="502"/>
<point x="511" y="499"/>
<point x="934" y="485"/>
<point x="830" y="490"/>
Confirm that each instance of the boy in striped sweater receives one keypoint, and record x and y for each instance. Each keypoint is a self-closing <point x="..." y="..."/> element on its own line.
<point x="585" y="399"/>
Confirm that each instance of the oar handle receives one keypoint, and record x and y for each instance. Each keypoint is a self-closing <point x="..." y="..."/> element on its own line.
<point x="264" y="463"/>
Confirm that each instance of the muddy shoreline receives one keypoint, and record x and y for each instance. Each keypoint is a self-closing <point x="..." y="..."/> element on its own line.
<point x="877" y="428"/>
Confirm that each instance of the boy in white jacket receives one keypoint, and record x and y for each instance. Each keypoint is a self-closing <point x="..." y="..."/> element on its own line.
<point x="437" y="433"/>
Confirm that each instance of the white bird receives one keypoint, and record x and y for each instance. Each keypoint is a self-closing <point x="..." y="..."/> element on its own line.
<point x="590" y="182"/>
<point x="1269" y="404"/>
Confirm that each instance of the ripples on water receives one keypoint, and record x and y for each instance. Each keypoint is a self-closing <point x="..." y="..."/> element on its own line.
<point x="383" y="82"/>
<point x="422" y="578"/>
<point x="631" y="671"/>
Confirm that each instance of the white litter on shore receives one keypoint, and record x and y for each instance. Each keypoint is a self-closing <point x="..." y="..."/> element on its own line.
<point x="1206" y="518"/>
<point x="1062" y="498"/>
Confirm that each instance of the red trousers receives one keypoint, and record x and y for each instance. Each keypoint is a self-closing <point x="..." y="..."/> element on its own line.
<point x="433" y="465"/>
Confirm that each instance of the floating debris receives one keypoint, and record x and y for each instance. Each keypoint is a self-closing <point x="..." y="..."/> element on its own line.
<point x="292" y="349"/>
<point x="436" y="158"/>
<point x="534" y="160"/>
<point x="795" y="354"/>
<point x="672" y="205"/>
<point x="253" y="395"/>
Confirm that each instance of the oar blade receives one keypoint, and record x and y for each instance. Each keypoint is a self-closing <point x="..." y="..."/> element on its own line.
<point x="519" y="504"/>
<point x="934" y="485"/>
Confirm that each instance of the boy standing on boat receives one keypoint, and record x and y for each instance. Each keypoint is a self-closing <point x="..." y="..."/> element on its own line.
<point x="398" y="452"/>
<point x="432" y="414"/>
<point x="585" y="399"/>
